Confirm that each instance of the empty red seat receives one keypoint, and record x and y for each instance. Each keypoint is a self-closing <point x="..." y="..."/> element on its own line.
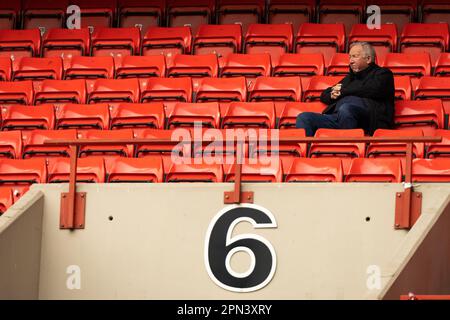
<point x="426" y="115"/>
<point x="249" y="114"/>
<point x="16" y="44"/>
<point x="98" y="13"/>
<point x="374" y="170"/>
<point x="33" y="143"/>
<point x="259" y="172"/>
<point x="294" y="12"/>
<point x="167" y="41"/>
<point x="169" y="91"/>
<point x="336" y="11"/>
<point x="38" y="69"/>
<point x="5" y="69"/>
<point x="442" y="68"/>
<point x="415" y="65"/>
<point x="44" y="14"/>
<point x="66" y="43"/>
<point x="195" y="173"/>
<point x="140" y="13"/>
<point x="191" y="14"/>
<point x="116" y="42"/>
<point x="20" y="174"/>
<point x="242" y="12"/>
<point x="403" y="87"/>
<point x="275" y="39"/>
<point x="339" y="65"/>
<point x="218" y="39"/>
<point x="315" y="170"/>
<point x="9" y="14"/>
<point x="11" y="144"/>
<point x="396" y="12"/>
<point x="383" y="40"/>
<point x="435" y="11"/>
<point x="439" y="149"/>
<point x="249" y="66"/>
<point x="82" y="116"/>
<point x="291" y="110"/>
<point x="114" y="91"/>
<point x="89" y="170"/>
<point x="193" y="114"/>
<point x="425" y="37"/>
<point x="434" y="88"/>
<point x="122" y="150"/>
<point x="140" y="67"/>
<point x="6" y="198"/>
<point x="90" y="68"/>
<point x="16" y="92"/>
<point x="184" y="65"/>
<point x="300" y="64"/>
<point x="137" y="115"/>
<point x="132" y="170"/>
<point x="17" y="117"/>
<point x="61" y="92"/>
<point x="431" y="170"/>
<point x="317" y="85"/>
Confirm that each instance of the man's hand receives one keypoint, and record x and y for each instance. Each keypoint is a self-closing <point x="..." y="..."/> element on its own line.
<point x="336" y="91"/>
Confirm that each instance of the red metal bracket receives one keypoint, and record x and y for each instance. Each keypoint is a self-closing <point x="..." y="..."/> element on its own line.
<point x="237" y="196"/>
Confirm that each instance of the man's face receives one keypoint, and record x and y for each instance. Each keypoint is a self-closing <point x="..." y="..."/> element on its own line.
<point x="358" y="61"/>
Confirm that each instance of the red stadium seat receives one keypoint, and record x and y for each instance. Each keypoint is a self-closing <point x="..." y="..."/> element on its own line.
<point x="17" y="117"/>
<point x="6" y="198"/>
<point x="116" y="42"/>
<point x="16" y="44"/>
<point x="374" y="170"/>
<point x="339" y="65"/>
<point x="275" y="39"/>
<point x="426" y="115"/>
<point x="383" y="40"/>
<point x="44" y="14"/>
<point x="249" y="114"/>
<point x="315" y="170"/>
<point x="336" y="11"/>
<point x="431" y="170"/>
<point x="396" y="12"/>
<point x="184" y="65"/>
<point x="61" y="92"/>
<point x="137" y="115"/>
<point x="243" y="12"/>
<point x="98" y="13"/>
<point x="439" y="149"/>
<point x="33" y="143"/>
<point x="5" y="69"/>
<point x="167" y="150"/>
<point x="294" y="12"/>
<point x="11" y="144"/>
<point x="114" y="91"/>
<point x="185" y="13"/>
<point x="301" y="64"/>
<point x="403" y="87"/>
<point x="218" y="39"/>
<point x="320" y="38"/>
<point x="291" y="110"/>
<point x="16" y="92"/>
<point x="415" y="65"/>
<point x="442" y="68"/>
<point x="66" y="43"/>
<point x="190" y="114"/>
<point x="122" y="150"/>
<point x="435" y="11"/>
<point x="167" y="41"/>
<point x="132" y="170"/>
<point x="434" y="88"/>
<point x="195" y="173"/>
<point x="141" y="13"/>
<point x="317" y="85"/>
<point x="37" y="69"/>
<point x="249" y="66"/>
<point x="82" y="116"/>
<point x="259" y="172"/>
<point x="9" y="14"/>
<point x="140" y="67"/>
<point x="90" y="68"/>
<point x="89" y="170"/>
<point x="169" y="91"/>
<point x="425" y="37"/>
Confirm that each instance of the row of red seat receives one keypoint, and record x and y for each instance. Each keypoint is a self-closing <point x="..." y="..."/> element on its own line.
<point x="16" y="176"/>
<point x="223" y="39"/>
<point x="425" y="115"/>
<point x="125" y="13"/>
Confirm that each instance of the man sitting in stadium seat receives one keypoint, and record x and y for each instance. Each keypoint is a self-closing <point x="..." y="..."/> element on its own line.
<point x="363" y="99"/>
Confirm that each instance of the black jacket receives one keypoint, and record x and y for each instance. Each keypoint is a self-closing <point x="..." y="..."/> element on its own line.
<point x="376" y="86"/>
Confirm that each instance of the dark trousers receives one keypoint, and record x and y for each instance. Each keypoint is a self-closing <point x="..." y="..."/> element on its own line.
<point x="350" y="113"/>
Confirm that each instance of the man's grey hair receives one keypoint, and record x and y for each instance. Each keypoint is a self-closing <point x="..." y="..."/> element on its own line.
<point x="367" y="48"/>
